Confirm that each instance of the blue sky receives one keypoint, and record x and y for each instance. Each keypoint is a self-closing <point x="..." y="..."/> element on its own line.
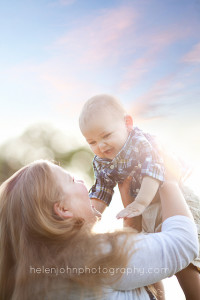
<point x="54" y="55"/>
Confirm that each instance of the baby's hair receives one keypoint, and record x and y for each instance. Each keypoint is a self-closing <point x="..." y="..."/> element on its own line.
<point x="100" y="104"/>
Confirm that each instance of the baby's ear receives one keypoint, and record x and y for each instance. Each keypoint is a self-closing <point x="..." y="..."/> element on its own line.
<point x="129" y="122"/>
<point x="61" y="212"/>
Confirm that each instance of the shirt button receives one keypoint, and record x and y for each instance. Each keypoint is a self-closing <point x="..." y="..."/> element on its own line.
<point x="111" y="167"/>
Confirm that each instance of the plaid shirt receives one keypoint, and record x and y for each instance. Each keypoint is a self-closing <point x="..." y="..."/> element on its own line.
<point x="140" y="156"/>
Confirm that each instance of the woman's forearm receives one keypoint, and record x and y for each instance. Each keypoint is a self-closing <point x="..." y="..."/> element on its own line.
<point x="160" y="255"/>
<point x="172" y="201"/>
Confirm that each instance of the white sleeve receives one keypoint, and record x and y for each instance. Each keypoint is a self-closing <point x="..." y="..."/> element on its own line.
<point x="159" y="255"/>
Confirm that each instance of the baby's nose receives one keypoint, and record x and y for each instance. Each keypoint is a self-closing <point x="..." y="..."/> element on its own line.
<point x="102" y="146"/>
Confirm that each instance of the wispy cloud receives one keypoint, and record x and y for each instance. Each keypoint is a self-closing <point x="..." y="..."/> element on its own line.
<point x="64" y="91"/>
<point x="148" y="103"/>
<point x="168" y="95"/>
<point x="194" y="55"/>
<point x="103" y="42"/>
<point x="135" y="72"/>
<point x="152" y="46"/>
<point x="66" y="2"/>
<point x="163" y="38"/>
<point x="101" y="37"/>
<point x="62" y="3"/>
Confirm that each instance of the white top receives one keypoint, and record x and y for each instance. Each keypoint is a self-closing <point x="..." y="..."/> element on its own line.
<point x="159" y="255"/>
<point x="155" y="257"/>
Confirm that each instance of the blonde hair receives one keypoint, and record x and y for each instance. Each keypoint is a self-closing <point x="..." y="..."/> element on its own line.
<point x="33" y="236"/>
<point x="100" y="104"/>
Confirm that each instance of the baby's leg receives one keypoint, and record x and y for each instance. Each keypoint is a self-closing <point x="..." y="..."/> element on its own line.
<point x="189" y="280"/>
<point x="135" y="223"/>
<point x="159" y="287"/>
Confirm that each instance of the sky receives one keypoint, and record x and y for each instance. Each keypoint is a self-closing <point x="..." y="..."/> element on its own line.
<point x="54" y="55"/>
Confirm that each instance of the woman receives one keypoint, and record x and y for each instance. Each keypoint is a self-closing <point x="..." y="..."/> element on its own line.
<point x="48" y="249"/>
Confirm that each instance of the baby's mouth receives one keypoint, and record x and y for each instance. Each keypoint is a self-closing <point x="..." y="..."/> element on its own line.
<point x="109" y="151"/>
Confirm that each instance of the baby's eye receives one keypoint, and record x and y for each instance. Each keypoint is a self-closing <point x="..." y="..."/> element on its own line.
<point x="106" y="135"/>
<point x="92" y="143"/>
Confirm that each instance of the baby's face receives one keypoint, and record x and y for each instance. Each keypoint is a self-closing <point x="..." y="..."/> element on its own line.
<point x="106" y="135"/>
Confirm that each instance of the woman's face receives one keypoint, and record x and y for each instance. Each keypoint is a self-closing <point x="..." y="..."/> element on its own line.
<point x="75" y="201"/>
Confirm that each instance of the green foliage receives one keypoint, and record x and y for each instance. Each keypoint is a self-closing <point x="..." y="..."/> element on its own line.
<point x="44" y="142"/>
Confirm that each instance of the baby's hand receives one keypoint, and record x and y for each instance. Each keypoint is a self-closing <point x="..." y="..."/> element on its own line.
<point x="132" y="210"/>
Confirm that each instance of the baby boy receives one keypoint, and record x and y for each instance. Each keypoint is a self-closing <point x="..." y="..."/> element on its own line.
<point x="120" y="150"/>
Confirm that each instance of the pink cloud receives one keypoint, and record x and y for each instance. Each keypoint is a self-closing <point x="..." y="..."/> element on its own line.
<point x="164" y="38"/>
<point x="154" y="44"/>
<point x="152" y="98"/>
<point x="194" y="55"/>
<point x="66" y="2"/>
<point x="64" y="88"/>
<point x="70" y="72"/>
<point x="135" y="72"/>
<point x="100" y="37"/>
<point x="61" y="3"/>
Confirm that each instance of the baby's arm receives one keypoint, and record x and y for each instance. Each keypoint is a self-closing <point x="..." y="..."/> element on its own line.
<point x="98" y="204"/>
<point x="148" y="190"/>
<point x="101" y="192"/>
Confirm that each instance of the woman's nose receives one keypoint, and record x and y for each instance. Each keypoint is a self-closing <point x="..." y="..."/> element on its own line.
<point x="79" y="180"/>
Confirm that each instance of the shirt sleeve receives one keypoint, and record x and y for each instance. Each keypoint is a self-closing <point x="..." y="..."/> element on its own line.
<point x="102" y="189"/>
<point x="160" y="255"/>
<point x="152" y="163"/>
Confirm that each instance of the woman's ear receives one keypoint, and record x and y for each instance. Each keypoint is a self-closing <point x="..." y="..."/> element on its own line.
<point x="61" y="212"/>
<point x="129" y="122"/>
